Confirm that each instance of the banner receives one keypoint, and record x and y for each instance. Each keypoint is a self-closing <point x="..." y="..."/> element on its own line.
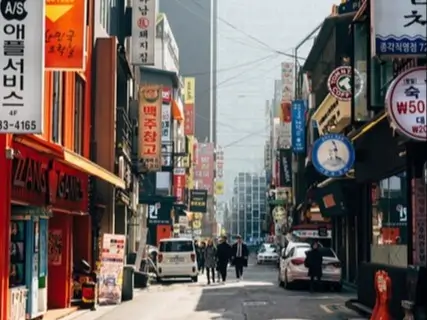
<point x="65" y="35"/>
<point x="111" y="269"/>
<point x="179" y="184"/>
<point x="149" y="129"/>
<point x="299" y="109"/>
<point x="143" y="32"/>
<point x="22" y="63"/>
<point x="167" y="144"/>
<point x="189" y="105"/>
<point x="219" y="188"/>
<point x="204" y="168"/>
<point x="285" y="168"/>
<point x="219" y="164"/>
<point x="198" y="200"/>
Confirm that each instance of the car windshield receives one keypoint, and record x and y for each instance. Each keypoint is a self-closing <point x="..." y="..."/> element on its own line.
<point x="271" y="250"/>
<point x="177" y="246"/>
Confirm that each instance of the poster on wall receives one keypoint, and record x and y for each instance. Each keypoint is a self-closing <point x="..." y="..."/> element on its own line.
<point x="55" y="247"/>
<point x="17" y="254"/>
<point x="111" y="269"/>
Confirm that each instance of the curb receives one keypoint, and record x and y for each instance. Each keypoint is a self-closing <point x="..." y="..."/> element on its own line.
<point x="356" y="306"/>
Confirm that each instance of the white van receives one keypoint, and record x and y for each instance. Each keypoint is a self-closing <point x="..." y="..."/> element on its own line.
<point x="177" y="259"/>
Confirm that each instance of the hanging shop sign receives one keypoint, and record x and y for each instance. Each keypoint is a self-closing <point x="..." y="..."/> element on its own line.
<point x="285" y="167"/>
<point x="179" y="183"/>
<point x="40" y="181"/>
<point x="333" y="155"/>
<point x="143" y="32"/>
<point x="401" y="31"/>
<point x="65" y="37"/>
<point x="299" y="108"/>
<point x="150" y="122"/>
<point x="339" y="83"/>
<point x="158" y="214"/>
<point x="406" y="103"/>
<point x="198" y="200"/>
<point x="279" y="213"/>
<point x="189" y="101"/>
<point x="22" y="63"/>
<point x="332" y="116"/>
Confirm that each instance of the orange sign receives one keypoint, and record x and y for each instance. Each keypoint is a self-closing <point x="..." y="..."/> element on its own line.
<point x="150" y="128"/>
<point x="65" y="35"/>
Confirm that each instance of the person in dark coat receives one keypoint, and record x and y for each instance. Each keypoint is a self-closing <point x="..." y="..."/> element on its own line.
<point x="223" y="255"/>
<point x="210" y="261"/>
<point x="313" y="262"/>
<point x="240" y="254"/>
<point x="201" y="260"/>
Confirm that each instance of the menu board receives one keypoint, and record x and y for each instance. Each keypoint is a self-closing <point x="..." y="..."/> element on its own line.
<point x="17" y="253"/>
<point x="111" y="268"/>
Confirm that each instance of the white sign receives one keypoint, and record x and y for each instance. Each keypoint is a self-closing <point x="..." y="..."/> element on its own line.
<point x="406" y="103"/>
<point x="22" y="25"/>
<point x="166" y="122"/>
<point x="143" y="32"/>
<point x="153" y="211"/>
<point x="285" y="135"/>
<point x="287" y="74"/>
<point x="399" y="27"/>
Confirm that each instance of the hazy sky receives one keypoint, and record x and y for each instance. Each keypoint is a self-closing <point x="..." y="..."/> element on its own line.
<point x="242" y="91"/>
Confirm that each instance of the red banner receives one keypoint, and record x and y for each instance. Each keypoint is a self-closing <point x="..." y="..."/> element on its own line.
<point x="179" y="184"/>
<point x="189" y="119"/>
<point x="204" y="168"/>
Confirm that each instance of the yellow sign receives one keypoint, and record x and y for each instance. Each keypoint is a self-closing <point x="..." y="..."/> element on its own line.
<point x="189" y="90"/>
<point x="219" y="188"/>
<point x="197" y="224"/>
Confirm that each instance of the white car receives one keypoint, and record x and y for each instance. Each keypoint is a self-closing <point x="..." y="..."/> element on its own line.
<point x="267" y="255"/>
<point x="177" y="259"/>
<point x="292" y="268"/>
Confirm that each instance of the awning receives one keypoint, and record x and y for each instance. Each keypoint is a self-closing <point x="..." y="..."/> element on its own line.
<point x="177" y="112"/>
<point x="70" y="158"/>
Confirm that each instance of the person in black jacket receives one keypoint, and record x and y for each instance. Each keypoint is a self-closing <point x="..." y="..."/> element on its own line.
<point x="240" y="254"/>
<point x="223" y="255"/>
<point x="313" y="262"/>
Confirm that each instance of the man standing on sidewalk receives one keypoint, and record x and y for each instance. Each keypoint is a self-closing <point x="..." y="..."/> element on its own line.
<point x="240" y="254"/>
<point x="223" y="255"/>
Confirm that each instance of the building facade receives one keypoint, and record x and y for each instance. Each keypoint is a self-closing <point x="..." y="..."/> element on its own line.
<point x="248" y="206"/>
<point x="197" y="44"/>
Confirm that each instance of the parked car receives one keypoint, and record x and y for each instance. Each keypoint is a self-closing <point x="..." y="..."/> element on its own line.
<point x="267" y="255"/>
<point x="292" y="268"/>
<point x="177" y="259"/>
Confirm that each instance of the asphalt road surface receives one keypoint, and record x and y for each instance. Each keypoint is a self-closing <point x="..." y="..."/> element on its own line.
<point x="257" y="297"/>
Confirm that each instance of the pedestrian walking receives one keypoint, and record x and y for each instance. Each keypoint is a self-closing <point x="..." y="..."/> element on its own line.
<point x="202" y="249"/>
<point x="223" y="255"/>
<point x="210" y="261"/>
<point x="313" y="262"/>
<point x="240" y="254"/>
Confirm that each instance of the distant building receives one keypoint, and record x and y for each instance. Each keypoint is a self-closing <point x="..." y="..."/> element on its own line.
<point x="248" y="205"/>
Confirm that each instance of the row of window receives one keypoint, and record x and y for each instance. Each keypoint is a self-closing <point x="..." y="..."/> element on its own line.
<point x="59" y="121"/>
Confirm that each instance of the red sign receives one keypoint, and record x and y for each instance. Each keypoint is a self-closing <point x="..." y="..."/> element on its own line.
<point x="189" y="119"/>
<point x="166" y="95"/>
<point x="286" y="111"/>
<point x="40" y="181"/>
<point x="204" y="168"/>
<point x="179" y="184"/>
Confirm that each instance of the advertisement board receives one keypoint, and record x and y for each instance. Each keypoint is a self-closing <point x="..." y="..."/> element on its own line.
<point x="143" y="32"/>
<point x="198" y="200"/>
<point x="179" y="184"/>
<point x="204" y="167"/>
<point x="189" y="105"/>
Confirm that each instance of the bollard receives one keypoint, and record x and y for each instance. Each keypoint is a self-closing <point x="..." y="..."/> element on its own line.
<point x="383" y="295"/>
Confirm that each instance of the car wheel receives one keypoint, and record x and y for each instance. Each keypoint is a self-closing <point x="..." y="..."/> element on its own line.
<point x="280" y="281"/>
<point x="195" y="279"/>
<point x="287" y="285"/>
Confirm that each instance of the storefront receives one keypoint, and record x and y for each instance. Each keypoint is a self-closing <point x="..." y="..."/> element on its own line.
<point x="49" y="228"/>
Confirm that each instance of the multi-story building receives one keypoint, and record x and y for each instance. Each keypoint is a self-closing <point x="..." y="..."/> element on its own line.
<point x="197" y="43"/>
<point x="248" y="205"/>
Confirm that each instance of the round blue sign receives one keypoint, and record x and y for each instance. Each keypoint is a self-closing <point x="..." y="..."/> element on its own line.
<point x="333" y="155"/>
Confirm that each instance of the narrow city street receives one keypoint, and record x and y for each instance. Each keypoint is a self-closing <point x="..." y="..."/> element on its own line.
<point x="258" y="297"/>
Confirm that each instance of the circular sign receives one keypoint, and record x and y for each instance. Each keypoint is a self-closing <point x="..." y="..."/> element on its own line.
<point x="143" y="23"/>
<point x="406" y="103"/>
<point x="333" y="155"/>
<point x="339" y="83"/>
<point x="279" y="213"/>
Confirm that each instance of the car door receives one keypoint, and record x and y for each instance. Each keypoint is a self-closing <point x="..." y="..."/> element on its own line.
<point x="288" y="258"/>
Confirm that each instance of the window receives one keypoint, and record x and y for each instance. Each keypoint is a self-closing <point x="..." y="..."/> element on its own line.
<point x="262" y="216"/>
<point x="79" y="98"/>
<point x="104" y="13"/>
<point x="57" y="106"/>
<point x="389" y="221"/>
<point x="256" y="226"/>
<point x="176" y="246"/>
<point x="255" y="213"/>
<point x="248" y="230"/>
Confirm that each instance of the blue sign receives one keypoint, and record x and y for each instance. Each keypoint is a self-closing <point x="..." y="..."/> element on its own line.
<point x="333" y="155"/>
<point x="299" y="108"/>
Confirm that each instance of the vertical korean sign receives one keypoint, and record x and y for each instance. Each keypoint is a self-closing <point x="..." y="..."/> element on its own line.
<point x="22" y="66"/>
<point x="189" y="101"/>
<point x="399" y="27"/>
<point x="179" y="184"/>
<point x="65" y="36"/>
<point x="203" y="170"/>
<point x="166" y="128"/>
<point x="287" y="74"/>
<point x="150" y="122"/>
<point x="219" y="178"/>
<point x="143" y="32"/>
<point x="298" y="126"/>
